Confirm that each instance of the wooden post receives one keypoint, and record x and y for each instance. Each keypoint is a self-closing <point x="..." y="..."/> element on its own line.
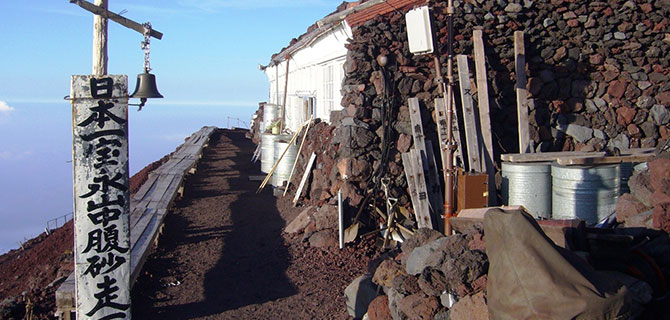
<point x="101" y="196"/>
<point x="469" y="119"/>
<point x="521" y="92"/>
<point x="484" y="117"/>
<point x="283" y="107"/>
<point x="100" y="41"/>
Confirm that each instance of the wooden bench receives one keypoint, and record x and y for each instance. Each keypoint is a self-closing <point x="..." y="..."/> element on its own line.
<point x="148" y="207"/>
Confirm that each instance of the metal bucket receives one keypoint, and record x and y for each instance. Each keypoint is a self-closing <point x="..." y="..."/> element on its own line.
<point x="528" y="185"/>
<point x="267" y="151"/>
<point x="284" y="167"/>
<point x="584" y="192"/>
<point x="270" y="115"/>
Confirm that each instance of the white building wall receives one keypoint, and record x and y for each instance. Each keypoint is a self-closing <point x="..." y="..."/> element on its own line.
<point x="306" y="77"/>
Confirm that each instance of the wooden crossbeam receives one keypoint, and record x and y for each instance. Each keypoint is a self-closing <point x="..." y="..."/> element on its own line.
<point x="130" y="24"/>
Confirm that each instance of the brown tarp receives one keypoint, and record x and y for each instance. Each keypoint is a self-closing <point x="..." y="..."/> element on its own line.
<point x="531" y="278"/>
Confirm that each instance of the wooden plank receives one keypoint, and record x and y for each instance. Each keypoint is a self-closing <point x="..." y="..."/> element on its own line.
<point x="592" y="160"/>
<point x="484" y="113"/>
<point x="170" y="193"/>
<point x="135" y="215"/>
<point x="417" y="124"/>
<point x="427" y="157"/>
<point x="295" y="162"/>
<point x="146" y="186"/>
<point x="544" y="156"/>
<point x="434" y="188"/>
<point x="138" y="229"/>
<point x="305" y="175"/>
<point x="555" y="156"/>
<point x="521" y="92"/>
<point x="423" y="215"/>
<point x="470" y="122"/>
<point x="141" y="250"/>
<point x="411" y="181"/>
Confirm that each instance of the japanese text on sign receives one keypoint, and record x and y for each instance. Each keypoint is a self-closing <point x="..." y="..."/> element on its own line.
<point x="102" y="239"/>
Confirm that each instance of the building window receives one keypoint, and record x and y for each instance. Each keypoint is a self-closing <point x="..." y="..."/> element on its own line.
<point x="328" y="99"/>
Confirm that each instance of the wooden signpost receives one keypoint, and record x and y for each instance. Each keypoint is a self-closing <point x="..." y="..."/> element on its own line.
<point x="101" y="186"/>
<point x="101" y="196"/>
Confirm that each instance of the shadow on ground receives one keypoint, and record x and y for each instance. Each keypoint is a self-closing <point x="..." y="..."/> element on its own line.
<point x="223" y="238"/>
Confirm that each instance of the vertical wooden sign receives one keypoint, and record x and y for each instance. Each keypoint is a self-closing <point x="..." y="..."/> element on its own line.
<point x="521" y="92"/>
<point x="101" y="196"/>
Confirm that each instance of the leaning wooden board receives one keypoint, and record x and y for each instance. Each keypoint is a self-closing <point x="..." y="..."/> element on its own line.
<point x="472" y="132"/>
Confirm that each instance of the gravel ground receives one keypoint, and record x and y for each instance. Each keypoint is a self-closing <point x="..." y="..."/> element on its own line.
<point x="223" y="254"/>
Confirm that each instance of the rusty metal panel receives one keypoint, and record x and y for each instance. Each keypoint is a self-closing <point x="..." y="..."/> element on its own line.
<point x="472" y="190"/>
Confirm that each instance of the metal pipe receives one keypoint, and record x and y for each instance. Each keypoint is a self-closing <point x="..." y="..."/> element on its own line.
<point x="447" y="95"/>
<point x="449" y="185"/>
<point x="340" y="216"/>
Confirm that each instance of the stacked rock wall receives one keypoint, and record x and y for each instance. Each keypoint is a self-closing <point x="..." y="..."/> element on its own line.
<point x="597" y="75"/>
<point x="597" y="78"/>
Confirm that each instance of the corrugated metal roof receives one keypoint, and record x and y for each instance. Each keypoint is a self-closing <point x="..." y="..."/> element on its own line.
<point x="360" y="17"/>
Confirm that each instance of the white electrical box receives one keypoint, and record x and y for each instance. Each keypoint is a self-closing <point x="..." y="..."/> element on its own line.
<point x="419" y="34"/>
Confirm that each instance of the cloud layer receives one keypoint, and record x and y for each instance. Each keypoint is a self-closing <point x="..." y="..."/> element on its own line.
<point x="5" y="109"/>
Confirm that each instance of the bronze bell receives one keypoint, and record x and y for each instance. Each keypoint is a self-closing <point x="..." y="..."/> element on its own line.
<point x="146" y="86"/>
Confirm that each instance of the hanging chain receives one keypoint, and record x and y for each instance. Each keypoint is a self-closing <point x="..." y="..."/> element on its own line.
<point x="146" y="46"/>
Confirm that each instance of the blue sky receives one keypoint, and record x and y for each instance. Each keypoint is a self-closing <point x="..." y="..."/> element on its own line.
<point x="206" y="67"/>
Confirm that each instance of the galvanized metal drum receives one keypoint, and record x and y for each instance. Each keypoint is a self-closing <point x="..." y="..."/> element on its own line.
<point x="528" y="185"/>
<point x="584" y="192"/>
<point x="270" y="114"/>
<point x="284" y="167"/>
<point x="268" y="151"/>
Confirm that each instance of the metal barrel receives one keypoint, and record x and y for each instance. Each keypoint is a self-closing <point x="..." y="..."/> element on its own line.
<point x="528" y="185"/>
<point x="584" y="192"/>
<point x="267" y="151"/>
<point x="284" y="167"/>
<point x="626" y="171"/>
<point x="270" y="115"/>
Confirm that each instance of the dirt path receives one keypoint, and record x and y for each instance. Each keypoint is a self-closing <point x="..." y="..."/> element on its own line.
<point x="223" y="254"/>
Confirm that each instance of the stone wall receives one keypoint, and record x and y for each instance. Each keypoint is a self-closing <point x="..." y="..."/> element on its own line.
<point x="597" y="72"/>
<point x="597" y="79"/>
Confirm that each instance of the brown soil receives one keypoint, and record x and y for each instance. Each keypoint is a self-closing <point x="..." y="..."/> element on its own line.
<point x="223" y="254"/>
<point x="36" y="271"/>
